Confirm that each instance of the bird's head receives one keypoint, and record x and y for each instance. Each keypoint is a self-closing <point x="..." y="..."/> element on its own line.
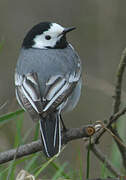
<point x="47" y="35"/>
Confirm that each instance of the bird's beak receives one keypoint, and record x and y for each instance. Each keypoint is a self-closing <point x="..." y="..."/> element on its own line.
<point x="66" y="30"/>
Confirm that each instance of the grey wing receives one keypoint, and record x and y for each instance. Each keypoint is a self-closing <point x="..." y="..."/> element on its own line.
<point x="58" y="88"/>
<point x="28" y="94"/>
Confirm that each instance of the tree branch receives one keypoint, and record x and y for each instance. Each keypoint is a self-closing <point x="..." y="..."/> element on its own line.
<point x="115" y="116"/>
<point x="111" y="120"/>
<point x="116" y="106"/>
<point x="36" y="146"/>
<point x="119" y="79"/>
<point x="69" y="135"/>
<point x="105" y="160"/>
<point x="117" y="102"/>
<point x="101" y="156"/>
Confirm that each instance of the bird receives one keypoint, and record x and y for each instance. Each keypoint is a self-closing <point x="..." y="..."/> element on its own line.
<point x="48" y="80"/>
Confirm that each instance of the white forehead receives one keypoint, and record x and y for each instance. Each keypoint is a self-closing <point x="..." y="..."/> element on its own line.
<point x="55" y="29"/>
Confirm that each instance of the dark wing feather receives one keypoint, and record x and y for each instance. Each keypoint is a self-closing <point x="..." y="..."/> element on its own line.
<point x="58" y="88"/>
<point x="28" y="94"/>
<point x="58" y="91"/>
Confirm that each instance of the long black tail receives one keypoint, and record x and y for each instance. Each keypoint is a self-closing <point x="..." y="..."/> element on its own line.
<point x="51" y="134"/>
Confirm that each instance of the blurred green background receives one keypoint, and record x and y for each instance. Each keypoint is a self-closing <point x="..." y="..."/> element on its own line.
<point x="99" y="39"/>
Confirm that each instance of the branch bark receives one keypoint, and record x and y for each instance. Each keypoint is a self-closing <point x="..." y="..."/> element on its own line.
<point x="97" y="152"/>
<point x="69" y="135"/>
<point x="119" y="80"/>
<point x="111" y="120"/>
<point x="115" y="115"/>
<point x="102" y="157"/>
<point x="117" y="102"/>
<point x="36" y="146"/>
<point x="116" y="106"/>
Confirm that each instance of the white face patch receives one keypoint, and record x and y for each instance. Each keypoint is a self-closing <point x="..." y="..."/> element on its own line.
<point x="54" y="32"/>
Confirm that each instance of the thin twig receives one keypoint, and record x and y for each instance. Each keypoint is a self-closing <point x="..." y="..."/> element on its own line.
<point x="116" y="106"/>
<point x="111" y="120"/>
<point x="105" y="160"/>
<point x="115" y="113"/>
<point x="117" y="102"/>
<point x="119" y="80"/>
<point x="101" y="156"/>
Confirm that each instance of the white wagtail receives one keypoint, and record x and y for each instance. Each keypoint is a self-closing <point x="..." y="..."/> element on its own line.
<point x="48" y="80"/>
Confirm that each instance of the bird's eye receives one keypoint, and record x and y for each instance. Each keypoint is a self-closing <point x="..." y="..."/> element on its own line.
<point x="47" y="37"/>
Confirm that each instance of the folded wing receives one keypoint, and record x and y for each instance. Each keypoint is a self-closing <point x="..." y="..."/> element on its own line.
<point x="46" y="109"/>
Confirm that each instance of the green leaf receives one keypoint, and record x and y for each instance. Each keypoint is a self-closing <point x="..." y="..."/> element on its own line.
<point x="29" y="165"/>
<point x="7" y="117"/>
<point x="36" y="132"/>
<point x="26" y="135"/>
<point x="3" y="173"/>
<point x="44" y="166"/>
<point x="57" y="167"/>
<point x="80" y="169"/>
<point x="18" y="136"/>
<point x="27" y="158"/>
<point x="59" y="172"/>
<point x="103" y="170"/>
<point x="11" y="170"/>
<point x="88" y="159"/>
